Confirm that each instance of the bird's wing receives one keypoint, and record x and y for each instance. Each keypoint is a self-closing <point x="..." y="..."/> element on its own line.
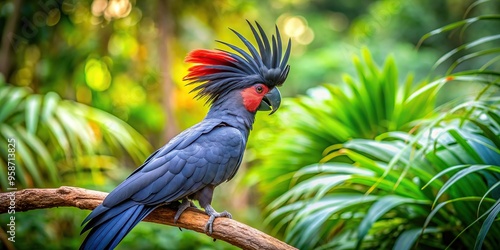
<point x="204" y="155"/>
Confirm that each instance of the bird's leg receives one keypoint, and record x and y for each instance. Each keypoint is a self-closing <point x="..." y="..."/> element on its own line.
<point x="204" y="196"/>
<point x="182" y="207"/>
<point x="214" y="214"/>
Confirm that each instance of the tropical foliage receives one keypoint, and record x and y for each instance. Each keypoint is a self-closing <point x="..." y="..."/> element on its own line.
<point x="78" y="78"/>
<point x="365" y="106"/>
<point x="378" y="166"/>
<point x="56" y="138"/>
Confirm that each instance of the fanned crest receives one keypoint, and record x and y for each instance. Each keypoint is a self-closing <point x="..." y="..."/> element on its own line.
<point x="217" y="72"/>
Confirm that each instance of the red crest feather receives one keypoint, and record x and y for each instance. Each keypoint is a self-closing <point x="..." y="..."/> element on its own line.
<point x="218" y="72"/>
<point x="205" y="58"/>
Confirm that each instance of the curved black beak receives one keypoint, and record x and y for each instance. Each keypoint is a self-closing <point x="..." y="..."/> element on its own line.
<point x="271" y="101"/>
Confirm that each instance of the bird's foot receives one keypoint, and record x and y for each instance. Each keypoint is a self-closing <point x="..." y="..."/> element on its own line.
<point x="182" y="207"/>
<point x="214" y="214"/>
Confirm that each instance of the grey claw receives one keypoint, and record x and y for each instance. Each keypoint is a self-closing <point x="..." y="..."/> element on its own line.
<point x="210" y="223"/>
<point x="182" y="207"/>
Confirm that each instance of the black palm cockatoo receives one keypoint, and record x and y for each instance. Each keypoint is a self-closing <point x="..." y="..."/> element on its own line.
<point x="236" y="84"/>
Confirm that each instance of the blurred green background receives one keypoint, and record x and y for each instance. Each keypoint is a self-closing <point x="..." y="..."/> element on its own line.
<point x="388" y="138"/>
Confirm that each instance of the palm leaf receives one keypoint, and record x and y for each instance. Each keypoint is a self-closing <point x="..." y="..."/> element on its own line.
<point x="52" y="132"/>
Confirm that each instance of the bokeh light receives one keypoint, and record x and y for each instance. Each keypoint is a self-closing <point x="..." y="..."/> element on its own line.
<point x="297" y="28"/>
<point x="126" y="92"/>
<point x="112" y="9"/>
<point x="97" y="75"/>
<point x="123" y="44"/>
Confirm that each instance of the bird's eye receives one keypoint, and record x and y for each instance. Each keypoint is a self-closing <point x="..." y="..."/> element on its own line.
<point x="259" y="89"/>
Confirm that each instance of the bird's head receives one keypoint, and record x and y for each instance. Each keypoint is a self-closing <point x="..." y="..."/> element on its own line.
<point x="256" y="76"/>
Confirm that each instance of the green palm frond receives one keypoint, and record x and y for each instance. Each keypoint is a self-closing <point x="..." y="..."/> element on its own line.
<point x="365" y="106"/>
<point x="420" y="176"/>
<point x="54" y="137"/>
<point x="399" y="205"/>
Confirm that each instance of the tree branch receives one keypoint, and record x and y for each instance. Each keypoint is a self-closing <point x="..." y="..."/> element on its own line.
<point x="225" y="229"/>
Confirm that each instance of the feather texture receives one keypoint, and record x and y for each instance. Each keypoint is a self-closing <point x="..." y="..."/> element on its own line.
<point x="191" y="161"/>
<point x="218" y="72"/>
<point x="209" y="153"/>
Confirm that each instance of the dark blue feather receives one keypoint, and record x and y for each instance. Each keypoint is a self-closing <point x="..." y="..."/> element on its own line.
<point x="194" y="159"/>
<point x="108" y="235"/>
<point x="217" y="77"/>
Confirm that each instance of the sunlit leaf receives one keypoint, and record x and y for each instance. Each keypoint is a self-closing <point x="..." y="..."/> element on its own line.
<point x="33" y="105"/>
<point x="47" y="127"/>
<point x="408" y="238"/>
<point x="456" y="25"/>
<point x="495" y="209"/>
<point x="473" y="44"/>
<point x="461" y="174"/>
<point x="379" y="209"/>
<point x="12" y="103"/>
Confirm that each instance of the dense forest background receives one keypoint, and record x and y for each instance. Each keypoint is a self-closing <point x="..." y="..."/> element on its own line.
<point x="389" y="135"/>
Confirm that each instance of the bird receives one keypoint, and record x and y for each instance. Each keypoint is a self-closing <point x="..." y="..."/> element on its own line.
<point x="236" y="84"/>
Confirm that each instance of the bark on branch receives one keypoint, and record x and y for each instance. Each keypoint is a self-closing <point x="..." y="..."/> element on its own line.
<point x="225" y="229"/>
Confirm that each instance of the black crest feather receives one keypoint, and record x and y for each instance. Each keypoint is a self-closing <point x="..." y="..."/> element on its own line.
<point x="218" y="72"/>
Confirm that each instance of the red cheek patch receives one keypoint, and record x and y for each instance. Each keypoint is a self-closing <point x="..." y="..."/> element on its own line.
<point x="252" y="99"/>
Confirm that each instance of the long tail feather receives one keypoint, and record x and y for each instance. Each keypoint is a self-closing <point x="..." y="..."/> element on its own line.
<point x="107" y="235"/>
